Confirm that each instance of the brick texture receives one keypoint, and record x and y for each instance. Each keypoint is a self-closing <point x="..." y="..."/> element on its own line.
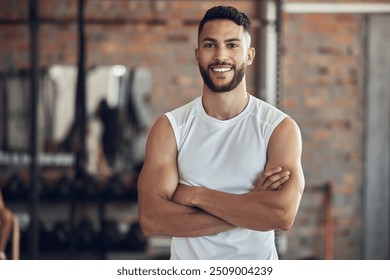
<point x="323" y="79"/>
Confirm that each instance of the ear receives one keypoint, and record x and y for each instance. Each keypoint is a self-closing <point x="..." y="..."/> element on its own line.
<point x="197" y="55"/>
<point x="251" y="55"/>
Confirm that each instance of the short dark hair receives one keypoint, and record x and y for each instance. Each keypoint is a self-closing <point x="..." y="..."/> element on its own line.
<point x="226" y="12"/>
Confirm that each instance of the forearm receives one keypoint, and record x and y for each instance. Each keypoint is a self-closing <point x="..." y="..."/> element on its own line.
<point x="177" y="220"/>
<point x="256" y="210"/>
<point x="260" y="211"/>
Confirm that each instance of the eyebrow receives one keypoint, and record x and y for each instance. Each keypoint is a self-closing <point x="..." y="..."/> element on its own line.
<point x="209" y="39"/>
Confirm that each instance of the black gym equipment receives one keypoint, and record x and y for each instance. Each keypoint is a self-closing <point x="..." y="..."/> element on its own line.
<point x="15" y="189"/>
<point x="47" y="242"/>
<point x="86" y="235"/>
<point x="114" y="188"/>
<point x="60" y="235"/>
<point x="135" y="240"/>
<point x="62" y="189"/>
<point x="88" y="189"/>
<point x="111" y="237"/>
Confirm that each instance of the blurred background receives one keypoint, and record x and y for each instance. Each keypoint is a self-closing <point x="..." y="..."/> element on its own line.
<point x="82" y="81"/>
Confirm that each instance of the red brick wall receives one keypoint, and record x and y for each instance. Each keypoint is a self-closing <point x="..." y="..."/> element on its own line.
<point x="324" y="71"/>
<point x="323" y="64"/>
<point x="161" y="35"/>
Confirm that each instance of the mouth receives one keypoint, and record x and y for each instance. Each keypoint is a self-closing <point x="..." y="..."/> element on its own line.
<point x="221" y="69"/>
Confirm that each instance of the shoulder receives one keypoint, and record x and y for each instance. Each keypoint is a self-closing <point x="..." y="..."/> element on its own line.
<point x="266" y="112"/>
<point x="288" y="126"/>
<point x="166" y="123"/>
<point x="161" y="130"/>
<point x="164" y="132"/>
<point x="161" y="145"/>
<point x="182" y="113"/>
<point x="286" y="134"/>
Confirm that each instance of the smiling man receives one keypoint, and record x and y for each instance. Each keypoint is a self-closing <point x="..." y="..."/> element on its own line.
<point x="224" y="171"/>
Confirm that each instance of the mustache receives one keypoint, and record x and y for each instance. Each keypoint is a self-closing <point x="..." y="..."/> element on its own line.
<point x="223" y="63"/>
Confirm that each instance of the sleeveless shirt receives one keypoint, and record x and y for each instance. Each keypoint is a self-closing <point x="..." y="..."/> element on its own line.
<point x="225" y="155"/>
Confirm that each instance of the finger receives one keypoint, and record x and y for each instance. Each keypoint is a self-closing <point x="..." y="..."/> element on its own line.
<point x="268" y="173"/>
<point x="278" y="184"/>
<point x="272" y="171"/>
<point x="275" y="178"/>
<point x="268" y="177"/>
<point x="273" y="182"/>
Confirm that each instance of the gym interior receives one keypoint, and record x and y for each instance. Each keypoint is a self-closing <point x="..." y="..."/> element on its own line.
<point x="83" y="81"/>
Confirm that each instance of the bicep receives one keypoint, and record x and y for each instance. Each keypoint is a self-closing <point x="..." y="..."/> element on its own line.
<point x="159" y="175"/>
<point x="285" y="150"/>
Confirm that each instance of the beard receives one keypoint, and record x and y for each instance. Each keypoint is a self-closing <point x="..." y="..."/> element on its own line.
<point x="237" y="78"/>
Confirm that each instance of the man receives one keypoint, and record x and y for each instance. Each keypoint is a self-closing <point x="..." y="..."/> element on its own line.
<point x="200" y="181"/>
<point x="6" y="223"/>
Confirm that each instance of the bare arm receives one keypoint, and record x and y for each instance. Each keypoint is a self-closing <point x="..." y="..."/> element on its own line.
<point x="259" y="210"/>
<point x="156" y="185"/>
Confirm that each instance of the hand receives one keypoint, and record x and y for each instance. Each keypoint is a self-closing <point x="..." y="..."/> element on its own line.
<point x="271" y="180"/>
<point x="183" y="194"/>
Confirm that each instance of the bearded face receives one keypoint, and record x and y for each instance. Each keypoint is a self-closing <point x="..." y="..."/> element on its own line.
<point x="217" y="70"/>
<point x="223" y="54"/>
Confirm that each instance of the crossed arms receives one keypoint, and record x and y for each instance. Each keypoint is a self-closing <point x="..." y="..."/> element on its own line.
<point x="168" y="208"/>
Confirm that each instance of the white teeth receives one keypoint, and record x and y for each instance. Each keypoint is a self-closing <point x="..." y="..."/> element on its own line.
<point x="221" y="70"/>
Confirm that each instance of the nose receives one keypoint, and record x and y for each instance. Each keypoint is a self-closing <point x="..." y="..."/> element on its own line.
<point x="220" y="54"/>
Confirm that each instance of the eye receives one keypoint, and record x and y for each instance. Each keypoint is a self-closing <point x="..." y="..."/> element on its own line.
<point x="209" y="45"/>
<point x="233" y="45"/>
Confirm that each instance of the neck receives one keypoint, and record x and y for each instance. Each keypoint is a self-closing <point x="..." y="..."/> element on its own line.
<point x="225" y="105"/>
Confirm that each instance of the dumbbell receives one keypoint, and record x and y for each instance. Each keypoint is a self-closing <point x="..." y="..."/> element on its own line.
<point x="110" y="237"/>
<point x="114" y="188"/>
<point x="86" y="235"/>
<point x="43" y="187"/>
<point x="87" y="190"/>
<point x="60" y="235"/>
<point x="15" y="189"/>
<point x="135" y="240"/>
<point x="62" y="189"/>
<point x="46" y="242"/>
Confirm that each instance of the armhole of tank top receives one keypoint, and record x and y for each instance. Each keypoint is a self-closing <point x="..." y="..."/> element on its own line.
<point x="174" y="126"/>
<point x="272" y="127"/>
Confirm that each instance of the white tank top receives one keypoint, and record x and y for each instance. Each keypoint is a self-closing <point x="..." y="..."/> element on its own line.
<point x="227" y="156"/>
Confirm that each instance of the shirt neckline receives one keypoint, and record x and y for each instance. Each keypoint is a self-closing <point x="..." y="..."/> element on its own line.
<point x="223" y="123"/>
